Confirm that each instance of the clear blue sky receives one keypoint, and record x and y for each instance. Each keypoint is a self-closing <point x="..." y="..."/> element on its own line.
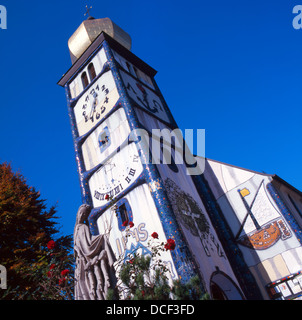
<point x="231" y="67"/>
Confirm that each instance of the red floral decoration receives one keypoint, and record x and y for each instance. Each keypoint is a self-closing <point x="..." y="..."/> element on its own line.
<point x="125" y="223"/>
<point x="154" y="235"/>
<point x="51" y="244"/>
<point x="170" y="245"/>
<point x="64" y="272"/>
<point x="62" y="281"/>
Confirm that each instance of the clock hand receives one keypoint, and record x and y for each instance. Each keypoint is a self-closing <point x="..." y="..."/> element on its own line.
<point x="94" y="103"/>
<point x="92" y="110"/>
<point x="111" y="166"/>
<point x="112" y="180"/>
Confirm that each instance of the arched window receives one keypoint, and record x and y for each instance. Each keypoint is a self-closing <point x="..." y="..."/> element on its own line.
<point x="223" y="287"/>
<point x="84" y="78"/>
<point x="217" y="293"/>
<point x="123" y="213"/>
<point x="91" y="71"/>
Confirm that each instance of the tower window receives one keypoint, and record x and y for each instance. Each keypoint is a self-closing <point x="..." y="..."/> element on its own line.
<point x="91" y="71"/>
<point x="123" y="213"/>
<point x="84" y="78"/>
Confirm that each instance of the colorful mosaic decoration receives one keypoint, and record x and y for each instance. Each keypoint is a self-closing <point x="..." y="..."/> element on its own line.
<point x="286" y="288"/>
<point x="267" y="236"/>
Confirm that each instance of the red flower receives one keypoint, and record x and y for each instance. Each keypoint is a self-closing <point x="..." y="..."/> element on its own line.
<point x="125" y="223"/>
<point x="64" y="272"/>
<point x="51" y="244"/>
<point x="52" y="266"/>
<point x="131" y="261"/>
<point x="62" y="281"/>
<point x="154" y="235"/>
<point x="107" y="197"/>
<point x="143" y="293"/>
<point x="170" y="245"/>
<point x="131" y="224"/>
<point x="49" y="274"/>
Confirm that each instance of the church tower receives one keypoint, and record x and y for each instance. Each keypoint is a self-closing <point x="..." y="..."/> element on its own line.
<point x="114" y="106"/>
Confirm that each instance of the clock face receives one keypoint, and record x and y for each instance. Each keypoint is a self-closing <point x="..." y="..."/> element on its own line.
<point x="105" y="139"/>
<point x="144" y="97"/>
<point x="95" y="103"/>
<point x="133" y="70"/>
<point x="116" y="175"/>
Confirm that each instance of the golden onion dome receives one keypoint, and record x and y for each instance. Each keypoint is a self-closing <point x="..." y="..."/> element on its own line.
<point x="88" y="31"/>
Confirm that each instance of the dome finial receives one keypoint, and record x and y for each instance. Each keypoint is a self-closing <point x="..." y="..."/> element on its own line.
<point x="90" y="29"/>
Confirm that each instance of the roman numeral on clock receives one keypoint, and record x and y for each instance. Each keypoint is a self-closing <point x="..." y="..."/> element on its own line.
<point x="117" y="190"/>
<point x="132" y="172"/>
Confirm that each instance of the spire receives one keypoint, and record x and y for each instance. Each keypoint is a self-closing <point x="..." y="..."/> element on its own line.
<point x="89" y="30"/>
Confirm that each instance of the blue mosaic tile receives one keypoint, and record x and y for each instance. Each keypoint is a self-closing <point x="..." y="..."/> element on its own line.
<point x="285" y="211"/>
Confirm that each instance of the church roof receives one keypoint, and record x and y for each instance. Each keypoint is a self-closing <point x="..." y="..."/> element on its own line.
<point x="273" y="176"/>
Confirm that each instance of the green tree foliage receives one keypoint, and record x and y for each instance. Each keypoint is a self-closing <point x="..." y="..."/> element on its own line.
<point x="147" y="277"/>
<point x="26" y="227"/>
<point x="142" y="281"/>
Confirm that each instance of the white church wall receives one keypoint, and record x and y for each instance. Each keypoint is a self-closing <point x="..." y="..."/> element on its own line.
<point x="136" y="72"/>
<point x="214" y="177"/>
<point x="228" y="176"/>
<point x="104" y="140"/>
<point x="144" y="97"/>
<point x="271" y="250"/>
<point x="76" y="86"/>
<point x="190" y="211"/>
<point x="146" y="221"/>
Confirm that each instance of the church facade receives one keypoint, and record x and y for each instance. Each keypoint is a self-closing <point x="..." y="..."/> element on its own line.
<point x="241" y="243"/>
<point x="264" y="215"/>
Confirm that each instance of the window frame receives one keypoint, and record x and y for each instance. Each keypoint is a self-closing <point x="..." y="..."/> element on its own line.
<point x="120" y="203"/>
<point x="91" y="71"/>
<point x="84" y="78"/>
